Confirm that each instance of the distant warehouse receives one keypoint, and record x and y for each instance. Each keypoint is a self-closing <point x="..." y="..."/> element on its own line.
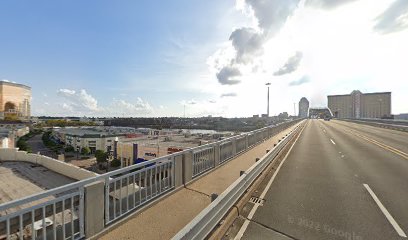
<point x="360" y="105"/>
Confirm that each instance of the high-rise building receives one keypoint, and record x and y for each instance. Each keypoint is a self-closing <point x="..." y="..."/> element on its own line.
<point x="303" y="107"/>
<point x="15" y="100"/>
<point x="360" y="105"/>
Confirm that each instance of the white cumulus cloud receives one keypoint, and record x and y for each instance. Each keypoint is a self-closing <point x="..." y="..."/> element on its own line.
<point x="78" y="101"/>
<point x="121" y="107"/>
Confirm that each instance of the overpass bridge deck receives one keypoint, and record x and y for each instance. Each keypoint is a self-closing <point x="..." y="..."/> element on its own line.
<point x="165" y="218"/>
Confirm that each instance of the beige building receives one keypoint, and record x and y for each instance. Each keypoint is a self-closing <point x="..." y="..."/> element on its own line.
<point x="15" y="100"/>
<point x="360" y="105"/>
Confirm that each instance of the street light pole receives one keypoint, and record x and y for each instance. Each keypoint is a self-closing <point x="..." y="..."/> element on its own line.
<point x="267" y="105"/>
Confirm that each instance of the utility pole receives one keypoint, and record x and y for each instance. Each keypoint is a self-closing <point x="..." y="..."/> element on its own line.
<point x="267" y="103"/>
<point x="294" y="109"/>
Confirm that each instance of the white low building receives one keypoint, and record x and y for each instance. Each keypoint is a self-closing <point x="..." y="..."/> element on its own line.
<point x="95" y="138"/>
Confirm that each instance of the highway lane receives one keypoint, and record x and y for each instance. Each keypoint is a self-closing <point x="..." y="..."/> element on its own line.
<point x="319" y="192"/>
<point x="397" y="139"/>
<point x="386" y="170"/>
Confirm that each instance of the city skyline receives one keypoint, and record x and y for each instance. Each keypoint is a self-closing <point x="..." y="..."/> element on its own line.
<point x="135" y="59"/>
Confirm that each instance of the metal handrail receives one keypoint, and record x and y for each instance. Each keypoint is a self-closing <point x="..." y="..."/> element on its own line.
<point x="206" y="220"/>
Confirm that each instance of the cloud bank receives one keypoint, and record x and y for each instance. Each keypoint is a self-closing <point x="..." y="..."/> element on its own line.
<point x="394" y="18"/>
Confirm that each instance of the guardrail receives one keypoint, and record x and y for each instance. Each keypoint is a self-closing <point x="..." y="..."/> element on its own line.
<point x="202" y="225"/>
<point x="386" y="121"/>
<point x="403" y="126"/>
<point x="84" y="208"/>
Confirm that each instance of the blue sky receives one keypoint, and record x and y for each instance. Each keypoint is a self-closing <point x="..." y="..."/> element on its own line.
<point x="149" y="58"/>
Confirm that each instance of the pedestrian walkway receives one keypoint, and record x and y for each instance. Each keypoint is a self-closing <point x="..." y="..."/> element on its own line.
<point x="168" y="216"/>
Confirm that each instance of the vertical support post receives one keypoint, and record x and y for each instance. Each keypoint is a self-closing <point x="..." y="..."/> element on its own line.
<point x="234" y="146"/>
<point x="217" y="155"/>
<point x="187" y="166"/>
<point x="178" y="171"/>
<point x="94" y="217"/>
<point x="246" y="141"/>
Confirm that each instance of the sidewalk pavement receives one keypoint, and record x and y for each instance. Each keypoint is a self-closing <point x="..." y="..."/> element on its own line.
<point x="165" y="218"/>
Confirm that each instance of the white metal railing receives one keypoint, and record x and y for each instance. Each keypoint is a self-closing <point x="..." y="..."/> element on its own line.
<point x="226" y="151"/>
<point x="251" y="139"/>
<point x="240" y="144"/>
<point x="203" y="160"/>
<point x="55" y="214"/>
<point x="131" y="189"/>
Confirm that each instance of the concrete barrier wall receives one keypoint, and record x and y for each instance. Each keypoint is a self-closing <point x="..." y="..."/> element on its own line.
<point x="69" y="170"/>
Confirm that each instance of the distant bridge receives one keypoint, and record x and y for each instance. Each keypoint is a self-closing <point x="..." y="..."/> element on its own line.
<point x="319" y="112"/>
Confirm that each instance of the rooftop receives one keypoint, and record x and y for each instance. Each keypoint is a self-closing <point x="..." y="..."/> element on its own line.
<point x="96" y="131"/>
<point x="14" y="84"/>
<point x="341" y="95"/>
<point x="21" y="179"/>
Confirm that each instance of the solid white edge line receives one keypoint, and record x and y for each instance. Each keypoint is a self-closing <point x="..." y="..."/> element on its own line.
<point x="385" y="212"/>
<point x="332" y="141"/>
<point x="253" y="210"/>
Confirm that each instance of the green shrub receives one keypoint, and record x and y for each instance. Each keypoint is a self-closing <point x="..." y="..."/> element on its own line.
<point x="69" y="149"/>
<point x="115" y="163"/>
<point x="85" y="151"/>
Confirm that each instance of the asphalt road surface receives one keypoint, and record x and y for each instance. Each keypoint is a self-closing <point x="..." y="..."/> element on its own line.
<point x="341" y="180"/>
<point x="37" y="145"/>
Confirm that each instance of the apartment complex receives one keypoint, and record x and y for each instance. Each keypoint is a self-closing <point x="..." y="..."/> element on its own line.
<point x="303" y="107"/>
<point x="360" y="105"/>
<point x="15" y="100"/>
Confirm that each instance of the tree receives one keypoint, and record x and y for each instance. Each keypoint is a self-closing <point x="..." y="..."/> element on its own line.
<point x="23" y="146"/>
<point x="69" y="149"/>
<point x="101" y="156"/>
<point x="85" y="151"/>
